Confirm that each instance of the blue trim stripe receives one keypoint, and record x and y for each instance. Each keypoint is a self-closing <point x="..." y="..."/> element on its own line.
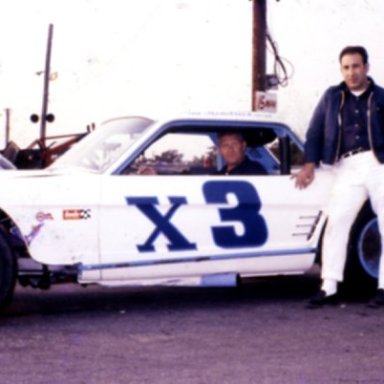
<point x="146" y="263"/>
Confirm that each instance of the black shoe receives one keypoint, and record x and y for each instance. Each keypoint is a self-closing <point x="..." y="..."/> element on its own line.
<point x="377" y="300"/>
<point x="321" y="299"/>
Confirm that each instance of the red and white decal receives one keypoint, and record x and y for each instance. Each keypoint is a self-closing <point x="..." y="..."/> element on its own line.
<point x="76" y="214"/>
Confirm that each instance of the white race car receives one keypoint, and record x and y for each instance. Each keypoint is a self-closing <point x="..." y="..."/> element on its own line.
<point x="94" y="217"/>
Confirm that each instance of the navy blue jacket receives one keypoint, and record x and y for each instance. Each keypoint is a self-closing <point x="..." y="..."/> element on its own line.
<point x="323" y="138"/>
<point x="247" y="167"/>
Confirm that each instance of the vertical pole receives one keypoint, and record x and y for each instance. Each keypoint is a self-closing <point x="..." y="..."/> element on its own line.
<point x="7" y="125"/>
<point x="258" y="49"/>
<point x="47" y="72"/>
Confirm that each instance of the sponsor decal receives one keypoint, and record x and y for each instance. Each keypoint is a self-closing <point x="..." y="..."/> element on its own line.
<point x="40" y="217"/>
<point x="34" y="232"/>
<point x="76" y="214"/>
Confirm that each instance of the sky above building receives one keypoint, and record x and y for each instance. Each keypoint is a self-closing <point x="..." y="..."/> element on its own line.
<point x="123" y="57"/>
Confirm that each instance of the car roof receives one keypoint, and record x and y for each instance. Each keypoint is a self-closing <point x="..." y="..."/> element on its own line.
<point x="240" y="116"/>
<point x="225" y="116"/>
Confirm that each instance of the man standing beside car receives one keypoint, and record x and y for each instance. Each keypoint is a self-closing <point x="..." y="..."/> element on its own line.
<point x="347" y="132"/>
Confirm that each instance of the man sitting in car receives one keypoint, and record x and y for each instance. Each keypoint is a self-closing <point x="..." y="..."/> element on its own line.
<point x="232" y="147"/>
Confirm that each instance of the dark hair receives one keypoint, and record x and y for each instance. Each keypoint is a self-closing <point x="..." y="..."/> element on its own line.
<point x="354" y="49"/>
<point x="226" y="133"/>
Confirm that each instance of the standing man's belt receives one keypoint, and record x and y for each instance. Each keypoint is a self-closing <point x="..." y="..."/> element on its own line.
<point x="353" y="152"/>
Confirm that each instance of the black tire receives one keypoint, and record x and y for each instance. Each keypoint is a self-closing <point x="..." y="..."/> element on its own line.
<point x="363" y="254"/>
<point x="8" y="272"/>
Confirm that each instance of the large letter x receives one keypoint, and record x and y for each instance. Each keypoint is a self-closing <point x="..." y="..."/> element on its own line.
<point x="162" y="223"/>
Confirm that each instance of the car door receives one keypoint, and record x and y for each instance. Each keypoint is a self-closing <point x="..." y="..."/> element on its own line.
<point x="165" y="220"/>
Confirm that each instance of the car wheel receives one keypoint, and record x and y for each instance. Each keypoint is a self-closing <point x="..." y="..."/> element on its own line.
<point x="8" y="269"/>
<point x="364" y="250"/>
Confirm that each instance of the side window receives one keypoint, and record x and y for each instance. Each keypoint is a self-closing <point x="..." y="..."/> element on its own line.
<point x="297" y="156"/>
<point x="177" y="154"/>
<point x="287" y="154"/>
<point x="266" y="156"/>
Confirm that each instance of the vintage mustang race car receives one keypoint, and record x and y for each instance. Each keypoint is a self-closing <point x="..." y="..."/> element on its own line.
<point x="94" y="217"/>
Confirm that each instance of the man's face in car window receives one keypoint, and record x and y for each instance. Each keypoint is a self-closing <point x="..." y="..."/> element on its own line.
<point x="232" y="148"/>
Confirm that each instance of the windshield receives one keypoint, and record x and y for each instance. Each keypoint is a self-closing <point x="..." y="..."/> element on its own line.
<point x="102" y="147"/>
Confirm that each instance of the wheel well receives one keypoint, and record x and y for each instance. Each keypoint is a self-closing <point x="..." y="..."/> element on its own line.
<point x="30" y="272"/>
<point x="320" y="244"/>
<point x="366" y="209"/>
<point x="8" y="271"/>
<point x="13" y="235"/>
<point x="358" y="279"/>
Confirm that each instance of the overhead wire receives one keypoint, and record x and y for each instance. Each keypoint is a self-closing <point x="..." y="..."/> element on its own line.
<point x="279" y="66"/>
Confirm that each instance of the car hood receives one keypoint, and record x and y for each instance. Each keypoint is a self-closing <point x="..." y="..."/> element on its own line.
<point x="38" y="173"/>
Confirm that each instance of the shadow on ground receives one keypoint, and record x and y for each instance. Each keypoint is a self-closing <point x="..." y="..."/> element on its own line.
<point x="70" y="298"/>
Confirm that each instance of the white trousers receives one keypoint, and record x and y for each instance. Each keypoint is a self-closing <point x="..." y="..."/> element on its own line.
<point x="358" y="177"/>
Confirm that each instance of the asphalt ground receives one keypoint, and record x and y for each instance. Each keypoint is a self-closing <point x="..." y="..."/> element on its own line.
<point x="260" y="333"/>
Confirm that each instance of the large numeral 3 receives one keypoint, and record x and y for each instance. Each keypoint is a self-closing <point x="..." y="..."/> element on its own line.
<point x="246" y="212"/>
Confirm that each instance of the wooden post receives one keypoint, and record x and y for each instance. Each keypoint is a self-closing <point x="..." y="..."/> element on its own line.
<point x="259" y="49"/>
<point x="47" y="72"/>
<point x="7" y="125"/>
